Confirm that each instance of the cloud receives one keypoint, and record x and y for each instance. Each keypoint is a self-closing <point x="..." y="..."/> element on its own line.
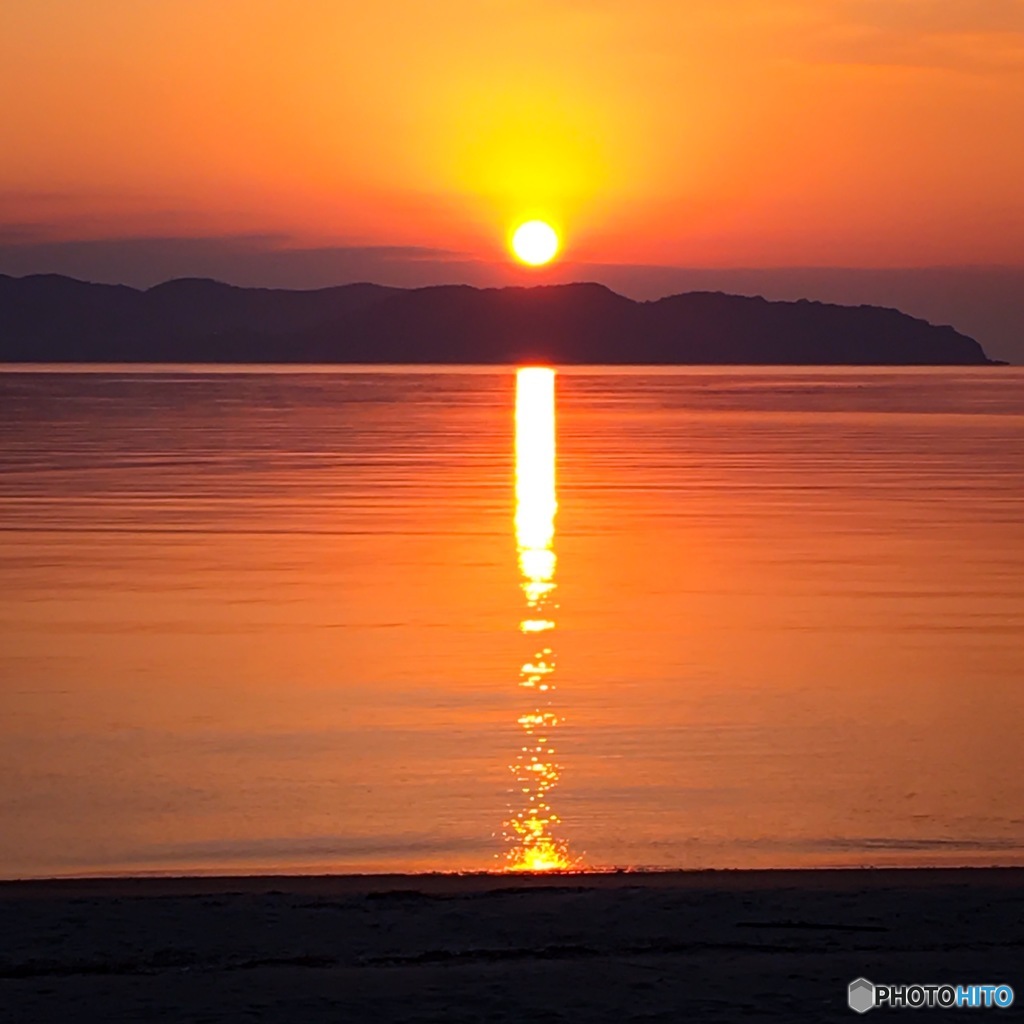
<point x="956" y="35"/>
<point x="937" y="17"/>
<point x="264" y="260"/>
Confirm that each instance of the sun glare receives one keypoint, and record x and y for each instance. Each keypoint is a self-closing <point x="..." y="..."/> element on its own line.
<point x="531" y="832"/>
<point x="535" y="243"/>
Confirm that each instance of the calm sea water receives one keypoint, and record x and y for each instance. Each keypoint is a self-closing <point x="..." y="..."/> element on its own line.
<point x="272" y="620"/>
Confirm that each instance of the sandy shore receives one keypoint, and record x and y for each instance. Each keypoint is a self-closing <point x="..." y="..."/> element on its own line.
<point x="674" y="946"/>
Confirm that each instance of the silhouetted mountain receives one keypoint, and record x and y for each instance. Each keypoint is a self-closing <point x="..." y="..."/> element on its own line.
<point x="48" y="318"/>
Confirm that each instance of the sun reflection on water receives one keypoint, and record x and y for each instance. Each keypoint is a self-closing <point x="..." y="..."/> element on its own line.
<point x="529" y="833"/>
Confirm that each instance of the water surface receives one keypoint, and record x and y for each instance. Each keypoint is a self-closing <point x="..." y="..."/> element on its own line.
<point x="272" y="620"/>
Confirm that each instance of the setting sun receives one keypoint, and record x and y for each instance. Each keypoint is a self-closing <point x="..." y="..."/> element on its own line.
<point x="535" y="243"/>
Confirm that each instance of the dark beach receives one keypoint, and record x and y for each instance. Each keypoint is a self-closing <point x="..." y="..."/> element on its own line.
<point x="716" y="946"/>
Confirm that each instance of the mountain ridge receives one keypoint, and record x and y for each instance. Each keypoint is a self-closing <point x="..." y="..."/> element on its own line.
<point x="53" y="318"/>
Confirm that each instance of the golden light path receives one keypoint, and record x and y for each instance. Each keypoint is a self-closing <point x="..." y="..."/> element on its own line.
<point x="530" y="831"/>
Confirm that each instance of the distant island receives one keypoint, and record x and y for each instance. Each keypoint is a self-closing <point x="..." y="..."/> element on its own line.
<point x="49" y="318"/>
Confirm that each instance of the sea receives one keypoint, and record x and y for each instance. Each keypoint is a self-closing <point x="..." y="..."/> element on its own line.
<point x="402" y="619"/>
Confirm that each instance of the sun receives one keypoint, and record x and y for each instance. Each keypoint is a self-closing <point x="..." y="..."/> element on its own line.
<point x="535" y="242"/>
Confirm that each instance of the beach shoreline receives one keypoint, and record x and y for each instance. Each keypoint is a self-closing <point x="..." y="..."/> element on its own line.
<point x="456" y="882"/>
<point x="610" y="946"/>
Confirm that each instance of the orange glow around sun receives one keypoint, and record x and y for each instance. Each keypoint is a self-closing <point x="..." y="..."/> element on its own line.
<point x="437" y="125"/>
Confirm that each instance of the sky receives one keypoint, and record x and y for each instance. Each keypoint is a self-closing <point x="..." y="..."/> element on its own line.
<point x="314" y="142"/>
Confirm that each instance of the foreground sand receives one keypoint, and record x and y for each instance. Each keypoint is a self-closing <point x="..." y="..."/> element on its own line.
<point x="715" y="946"/>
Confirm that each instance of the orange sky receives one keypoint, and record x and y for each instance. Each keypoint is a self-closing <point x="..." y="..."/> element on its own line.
<point x="675" y="132"/>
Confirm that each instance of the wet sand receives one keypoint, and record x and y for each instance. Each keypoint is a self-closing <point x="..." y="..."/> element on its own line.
<point x="673" y="946"/>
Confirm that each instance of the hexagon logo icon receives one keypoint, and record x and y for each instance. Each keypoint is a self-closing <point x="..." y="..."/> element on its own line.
<point x="861" y="995"/>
